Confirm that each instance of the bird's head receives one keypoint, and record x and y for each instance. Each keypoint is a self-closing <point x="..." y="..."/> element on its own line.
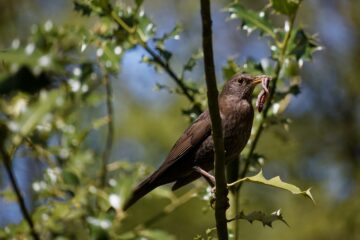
<point x="242" y="85"/>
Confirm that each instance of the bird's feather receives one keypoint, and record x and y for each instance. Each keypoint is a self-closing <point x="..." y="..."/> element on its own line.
<point x="198" y="131"/>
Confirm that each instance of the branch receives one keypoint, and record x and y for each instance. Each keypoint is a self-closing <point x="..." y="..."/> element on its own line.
<point x="167" y="68"/>
<point x="212" y="95"/>
<point x="7" y="163"/>
<point x="170" y="72"/>
<point x="110" y="133"/>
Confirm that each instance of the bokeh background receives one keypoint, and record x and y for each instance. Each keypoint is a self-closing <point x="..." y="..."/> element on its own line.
<point x="321" y="148"/>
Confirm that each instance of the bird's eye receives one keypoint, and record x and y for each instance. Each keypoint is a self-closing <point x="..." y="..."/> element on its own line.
<point x="240" y="80"/>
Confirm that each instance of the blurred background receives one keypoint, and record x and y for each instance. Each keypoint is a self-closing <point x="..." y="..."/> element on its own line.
<point x="321" y="148"/>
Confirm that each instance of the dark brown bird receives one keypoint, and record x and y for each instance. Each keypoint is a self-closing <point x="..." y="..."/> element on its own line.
<point x="193" y="154"/>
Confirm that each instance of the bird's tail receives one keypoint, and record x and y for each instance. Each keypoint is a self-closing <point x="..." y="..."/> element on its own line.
<point x="141" y="190"/>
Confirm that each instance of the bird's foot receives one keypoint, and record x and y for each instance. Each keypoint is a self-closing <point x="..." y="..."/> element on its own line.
<point x="211" y="180"/>
<point x="208" y="177"/>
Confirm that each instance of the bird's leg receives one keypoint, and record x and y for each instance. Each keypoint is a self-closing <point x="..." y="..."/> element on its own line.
<point x="211" y="180"/>
<point x="208" y="177"/>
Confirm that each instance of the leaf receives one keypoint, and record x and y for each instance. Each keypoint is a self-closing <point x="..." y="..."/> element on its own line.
<point x="8" y="195"/>
<point x="165" y="54"/>
<point x="275" y="182"/>
<point x="287" y="7"/>
<point x="173" y="34"/>
<point x="70" y="178"/>
<point x="18" y="57"/>
<point x="265" y="219"/>
<point x="30" y="120"/>
<point x="230" y="69"/>
<point x="302" y="45"/>
<point x="156" y="234"/>
<point x="139" y="2"/>
<point x="250" y="66"/>
<point x="100" y="122"/>
<point x="251" y="19"/>
<point x="191" y="62"/>
<point x="82" y="8"/>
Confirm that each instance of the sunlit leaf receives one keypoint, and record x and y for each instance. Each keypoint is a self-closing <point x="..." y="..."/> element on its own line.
<point x="275" y="182"/>
<point x="173" y="34"/>
<point x="251" y="19"/>
<point x="29" y="121"/>
<point x="8" y="195"/>
<point x="156" y="234"/>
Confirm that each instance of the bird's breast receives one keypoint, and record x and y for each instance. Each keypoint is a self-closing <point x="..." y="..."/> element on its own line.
<point x="237" y="127"/>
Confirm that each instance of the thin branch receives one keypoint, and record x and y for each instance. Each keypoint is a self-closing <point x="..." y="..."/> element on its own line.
<point x="212" y="95"/>
<point x="167" y="68"/>
<point x="169" y="71"/>
<point x="110" y="131"/>
<point x="7" y="163"/>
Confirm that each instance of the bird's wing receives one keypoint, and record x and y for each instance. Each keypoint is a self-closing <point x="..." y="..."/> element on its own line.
<point x="199" y="130"/>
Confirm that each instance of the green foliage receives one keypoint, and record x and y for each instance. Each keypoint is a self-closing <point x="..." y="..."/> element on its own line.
<point x="265" y="219"/>
<point x="274" y="182"/>
<point x="250" y="19"/>
<point x="287" y="7"/>
<point x="52" y="88"/>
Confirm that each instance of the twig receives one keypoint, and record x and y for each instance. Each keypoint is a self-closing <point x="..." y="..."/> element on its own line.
<point x="212" y="95"/>
<point x="169" y="71"/>
<point x="20" y="199"/>
<point x="167" y="68"/>
<point x="110" y="133"/>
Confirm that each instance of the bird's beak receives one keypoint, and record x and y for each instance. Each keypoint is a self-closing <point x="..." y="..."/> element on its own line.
<point x="263" y="79"/>
<point x="257" y="80"/>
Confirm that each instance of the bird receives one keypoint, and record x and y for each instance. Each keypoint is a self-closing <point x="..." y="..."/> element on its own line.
<point x="192" y="156"/>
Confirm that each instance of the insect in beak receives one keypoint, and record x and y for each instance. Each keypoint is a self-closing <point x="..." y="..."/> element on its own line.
<point x="265" y="81"/>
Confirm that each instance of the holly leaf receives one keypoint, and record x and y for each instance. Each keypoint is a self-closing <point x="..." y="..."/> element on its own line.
<point x="251" y="19"/>
<point x="28" y="122"/>
<point x="303" y="45"/>
<point x="275" y="182"/>
<point x="191" y="62"/>
<point x="287" y="7"/>
<point x="82" y="8"/>
<point x="265" y="219"/>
